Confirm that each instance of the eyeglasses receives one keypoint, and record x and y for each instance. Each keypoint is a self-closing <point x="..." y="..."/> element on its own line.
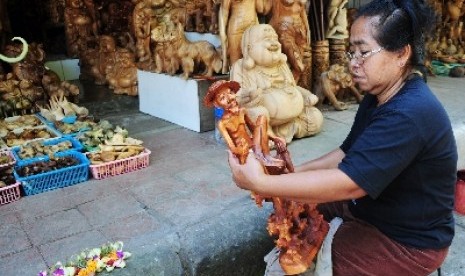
<point x="362" y="56"/>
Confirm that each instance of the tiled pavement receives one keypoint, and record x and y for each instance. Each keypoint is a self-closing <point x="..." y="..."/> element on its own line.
<point x="182" y="215"/>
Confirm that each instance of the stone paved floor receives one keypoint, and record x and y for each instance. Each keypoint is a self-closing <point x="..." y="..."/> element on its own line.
<point x="180" y="216"/>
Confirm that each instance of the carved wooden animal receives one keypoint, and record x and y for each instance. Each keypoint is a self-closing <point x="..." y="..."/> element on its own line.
<point x="193" y="56"/>
<point x="333" y="84"/>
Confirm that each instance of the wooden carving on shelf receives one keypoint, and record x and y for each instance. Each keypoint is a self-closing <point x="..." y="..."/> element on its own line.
<point x="289" y="19"/>
<point x="212" y="13"/>
<point x="337" y="20"/>
<point x="453" y="11"/>
<point x="268" y="87"/>
<point x="234" y="18"/>
<point x="14" y="50"/>
<point x="451" y="49"/>
<point x="333" y="86"/>
<point x="202" y="16"/>
<point x="174" y="51"/>
<point x="437" y="7"/>
<point x="32" y="66"/>
<point x="122" y="77"/>
<point x="93" y="7"/>
<point x="456" y="33"/>
<point x="17" y="96"/>
<point x="164" y="57"/>
<point x="141" y="19"/>
<point x="450" y="32"/>
<point x="54" y="87"/>
<point x="55" y="12"/>
<point x="87" y="60"/>
<point x="29" y="83"/>
<point x="115" y="17"/>
<point x="78" y="27"/>
<point x="299" y="228"/>
<point x="105" y="60"/>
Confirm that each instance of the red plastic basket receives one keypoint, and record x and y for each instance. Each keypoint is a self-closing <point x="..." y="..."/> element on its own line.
<point x="10" y="193"/>
<point x="460" y="193"/>
<point x="121" y="166"/>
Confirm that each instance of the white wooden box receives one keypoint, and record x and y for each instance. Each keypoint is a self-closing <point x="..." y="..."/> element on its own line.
<point x="176" y="100"/>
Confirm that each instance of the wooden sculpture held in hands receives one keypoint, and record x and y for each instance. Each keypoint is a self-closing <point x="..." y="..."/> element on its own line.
<point x="299" y="228"/>
<point x="236" y="124"/>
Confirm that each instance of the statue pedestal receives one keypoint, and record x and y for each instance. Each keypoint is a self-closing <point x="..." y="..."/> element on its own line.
<point x="176" y="100"/>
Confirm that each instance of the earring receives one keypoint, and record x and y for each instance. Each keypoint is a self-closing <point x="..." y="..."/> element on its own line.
<point x="401" y="64"/>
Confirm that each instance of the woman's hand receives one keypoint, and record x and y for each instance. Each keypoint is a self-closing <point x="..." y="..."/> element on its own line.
<point x="248" y="175"/>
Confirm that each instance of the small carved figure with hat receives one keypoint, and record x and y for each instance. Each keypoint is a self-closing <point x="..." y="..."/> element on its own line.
<point x="236" y="128"/>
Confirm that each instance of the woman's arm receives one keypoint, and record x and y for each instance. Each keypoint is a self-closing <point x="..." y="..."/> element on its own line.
<point x="318" y="186"/>
<point x="327" y="161"/>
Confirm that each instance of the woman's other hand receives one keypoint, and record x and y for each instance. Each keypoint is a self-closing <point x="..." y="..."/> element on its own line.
<point x="248" y="175"/>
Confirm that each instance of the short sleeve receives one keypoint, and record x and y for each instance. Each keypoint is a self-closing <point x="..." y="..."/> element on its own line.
<point x="382" y="151"/>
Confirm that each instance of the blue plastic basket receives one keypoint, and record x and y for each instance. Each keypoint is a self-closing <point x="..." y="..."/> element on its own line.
<point x="60" y="178"/>
<point x="76" y="146"/>
<point x="12" y="143"/>
<point x="74" y="134"/>
<point x="53" y="126"/>
<point x="43" y="119"/>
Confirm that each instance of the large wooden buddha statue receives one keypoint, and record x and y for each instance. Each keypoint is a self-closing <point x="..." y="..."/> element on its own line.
<point x="268" y="87"/>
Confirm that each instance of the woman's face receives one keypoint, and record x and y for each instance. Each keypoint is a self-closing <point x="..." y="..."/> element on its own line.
<point x="373" y="68"/>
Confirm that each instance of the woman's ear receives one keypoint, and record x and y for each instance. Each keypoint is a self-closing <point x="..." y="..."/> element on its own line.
<point x="404" y="55"/>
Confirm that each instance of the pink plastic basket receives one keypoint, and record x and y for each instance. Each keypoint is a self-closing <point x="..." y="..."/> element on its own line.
<point x="121" y="166"/>
<point x="11" y="158"/>
<point x="10" y="193"/>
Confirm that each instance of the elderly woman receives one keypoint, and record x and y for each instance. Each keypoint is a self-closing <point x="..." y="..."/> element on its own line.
<point x="392" y="179"/>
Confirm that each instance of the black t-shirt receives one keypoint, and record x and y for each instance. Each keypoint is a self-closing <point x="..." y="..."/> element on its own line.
<point x="403" y="154"/>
